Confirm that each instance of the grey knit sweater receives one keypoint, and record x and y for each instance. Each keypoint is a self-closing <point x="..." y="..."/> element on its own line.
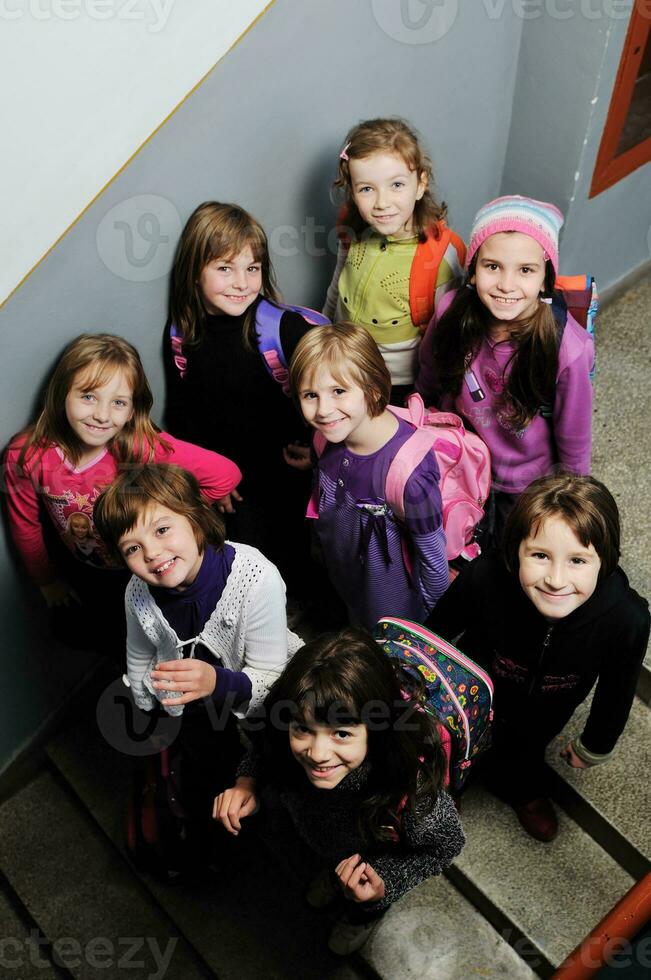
<point x="328" y="821"/>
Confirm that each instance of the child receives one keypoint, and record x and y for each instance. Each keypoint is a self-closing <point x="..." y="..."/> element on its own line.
<point x="397" y="258"/>
<point x="379" y="567"/>
<point x="360" y="769"/>
<point x="226" y="399"/>
<point x="206" y="624"/>
<point x="94" y="423"/>
<point x="547" y="620"/>
<point x="497" y="355"/>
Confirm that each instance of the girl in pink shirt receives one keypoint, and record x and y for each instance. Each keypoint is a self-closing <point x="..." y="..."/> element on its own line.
<point x="95" y="423"/>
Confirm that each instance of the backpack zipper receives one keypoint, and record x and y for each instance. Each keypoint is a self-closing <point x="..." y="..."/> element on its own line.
<point x="446" y="684"/>
<point x="446" y="648"/>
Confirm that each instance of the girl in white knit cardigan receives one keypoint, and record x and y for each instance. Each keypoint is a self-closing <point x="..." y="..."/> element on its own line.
<point x="206" y="619"/>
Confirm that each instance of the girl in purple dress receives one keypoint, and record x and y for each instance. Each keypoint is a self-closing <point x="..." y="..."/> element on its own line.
<point x="379" y="566"/>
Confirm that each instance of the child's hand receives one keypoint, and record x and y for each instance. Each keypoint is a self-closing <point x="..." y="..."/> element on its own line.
<point x="572" y="758"/>
<point x="195" y="679"/>
<point x="59" y="593"/>
<point x="297" y="456"/>
<point x="235" y="803"/>
<point x="359" y="881"/>
<point x="225" y="504"/>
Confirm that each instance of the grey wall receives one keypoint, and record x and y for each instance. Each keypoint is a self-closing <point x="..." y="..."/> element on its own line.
<point x="263" y="130"/>
<point x="564" y="83"/>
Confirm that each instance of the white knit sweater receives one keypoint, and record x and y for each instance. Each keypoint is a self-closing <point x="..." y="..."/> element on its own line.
<point x="247" y="631"/>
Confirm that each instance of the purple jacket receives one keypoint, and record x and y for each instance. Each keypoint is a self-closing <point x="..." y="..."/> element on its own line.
<point x="362" y="541"/>
<point x="518" y="457"/>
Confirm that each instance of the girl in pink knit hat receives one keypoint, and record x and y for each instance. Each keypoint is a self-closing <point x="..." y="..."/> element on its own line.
<point x="506" y="355"/>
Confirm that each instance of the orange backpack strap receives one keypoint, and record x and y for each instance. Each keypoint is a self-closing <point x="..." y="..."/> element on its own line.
<point x="425" y="271"/>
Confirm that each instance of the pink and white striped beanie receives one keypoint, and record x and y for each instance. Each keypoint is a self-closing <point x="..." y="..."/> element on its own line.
<point x="539" y="220"/>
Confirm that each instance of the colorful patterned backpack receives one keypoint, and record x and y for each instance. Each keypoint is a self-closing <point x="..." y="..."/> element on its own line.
<point x="459" y="692"/>
<point x="267" y="327"/>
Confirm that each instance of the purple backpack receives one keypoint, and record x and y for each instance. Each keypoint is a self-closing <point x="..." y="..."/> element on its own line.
<point x="459" y="692"/>
<point x="267" y="327"/>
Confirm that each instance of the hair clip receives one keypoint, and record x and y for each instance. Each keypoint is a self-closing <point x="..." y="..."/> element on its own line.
<point x="546" y="299"/>
<point x="344" y="155"/>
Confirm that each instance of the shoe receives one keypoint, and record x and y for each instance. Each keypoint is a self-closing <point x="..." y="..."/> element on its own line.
<point x="538" y="819"/>
<point x="322" y="891"/>
<point x="346" y="937"/>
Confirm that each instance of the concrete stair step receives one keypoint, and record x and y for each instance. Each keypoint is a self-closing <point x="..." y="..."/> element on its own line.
<point x="644" y="682"/>
<point x="250" y="922"/>
<point x="90" y="907"/>
<point x="433" y="933"/>
<point x="552" y="894"/>
<point x="20" y="952"/>
<point x="610" y="801"/>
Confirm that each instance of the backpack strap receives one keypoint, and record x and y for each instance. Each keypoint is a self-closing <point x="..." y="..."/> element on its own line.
<point x="319" y="443"/>
<point x="180" y="359"/>
<point x="424" y="274"/>
<point x="267" y="327"/>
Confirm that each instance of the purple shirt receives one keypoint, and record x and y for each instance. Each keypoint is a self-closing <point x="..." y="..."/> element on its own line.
<point x="362" y="540"/>
<point x="520" y="456"/>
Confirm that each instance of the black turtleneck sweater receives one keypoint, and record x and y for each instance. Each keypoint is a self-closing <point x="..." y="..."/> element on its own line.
<point x="229" y="403"/>
<point x="542" y="670"/>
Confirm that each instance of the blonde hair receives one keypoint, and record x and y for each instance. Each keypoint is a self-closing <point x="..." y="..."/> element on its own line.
<point x="586" y="506"/>
<point x="129" y="497"/>
<point x="389" y="136"/>
<point x="215" y="231"/>
<point x="351" y="355"/>
<point x="96" y="357"/>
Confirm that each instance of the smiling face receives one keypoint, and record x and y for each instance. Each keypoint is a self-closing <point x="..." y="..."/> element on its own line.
<point x="385" y="191"/>
<point x="336" y="408"/>
<point x="79" y="526"/>
<point x="96" y="415"/>
<point x="161" y="548"/>
<point x="231" y="285"/>
<point x="510" y="275"/>
<point x="557" y="572"/>
<point x="327" y="754"/>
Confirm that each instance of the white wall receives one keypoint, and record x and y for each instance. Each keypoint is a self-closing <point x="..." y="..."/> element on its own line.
<point x="72" y="66"/>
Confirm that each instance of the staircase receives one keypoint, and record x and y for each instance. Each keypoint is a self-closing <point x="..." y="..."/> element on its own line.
<point x="71" y="905"/>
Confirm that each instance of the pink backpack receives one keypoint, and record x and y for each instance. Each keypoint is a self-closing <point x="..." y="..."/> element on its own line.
<point x="464" y="466"/>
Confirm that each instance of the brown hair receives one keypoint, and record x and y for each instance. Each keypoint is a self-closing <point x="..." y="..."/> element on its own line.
<point x="351" y="355"/>
<point x="215" y="231"/>
<point x="129" y="497"/>
<point x="389" y="136"/>
<point x="96" y="358"/>
<point x="586" y="506"/>
<point x="534" y="365"/>
<point x="342" y="679"/>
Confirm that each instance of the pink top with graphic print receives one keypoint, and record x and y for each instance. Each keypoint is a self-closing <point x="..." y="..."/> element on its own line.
<point x="66" y="490"/>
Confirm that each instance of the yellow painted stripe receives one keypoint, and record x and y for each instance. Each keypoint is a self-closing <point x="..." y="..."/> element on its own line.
<point x="136" y="152"/>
